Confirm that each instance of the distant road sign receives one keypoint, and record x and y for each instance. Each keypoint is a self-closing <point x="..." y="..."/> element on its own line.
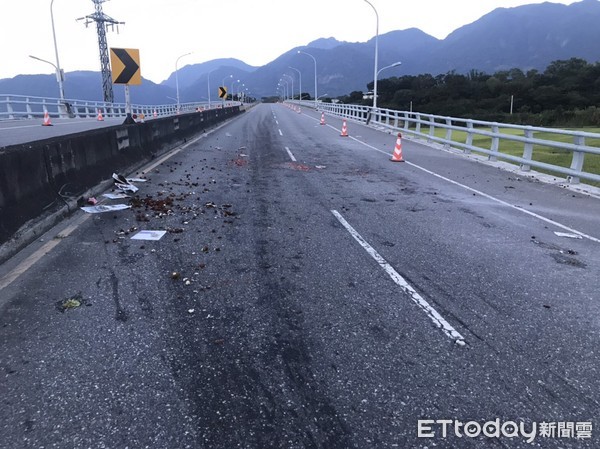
<point x="222" y="92"/>
<point x="125" y="64"/>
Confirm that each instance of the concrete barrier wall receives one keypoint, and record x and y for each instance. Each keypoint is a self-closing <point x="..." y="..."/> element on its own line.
<point x="40" y="178"/>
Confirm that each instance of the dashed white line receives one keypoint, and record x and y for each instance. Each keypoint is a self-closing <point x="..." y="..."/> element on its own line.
<point x="280" y="133"/>
<point x="290" y="154"/>
<point x="479" y="192"/>
<point x="433" y="314"/>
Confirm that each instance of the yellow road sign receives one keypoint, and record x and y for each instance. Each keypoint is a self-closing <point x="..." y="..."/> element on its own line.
<point x="222" y="92"/>
<point x="125" y="64"/>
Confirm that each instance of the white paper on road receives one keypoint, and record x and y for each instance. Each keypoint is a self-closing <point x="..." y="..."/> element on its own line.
<point x="136" y="180"/>
<point x="570" y="236"/>
<point x="104" y="208"/>
<point x="149" y="235"/>
<point x="115" y="196"/>
<point x="127" y="187"/>
<point x="123" y="184"/>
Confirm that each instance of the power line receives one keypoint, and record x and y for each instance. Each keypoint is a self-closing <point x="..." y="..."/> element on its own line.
<point x="103" y="22"/>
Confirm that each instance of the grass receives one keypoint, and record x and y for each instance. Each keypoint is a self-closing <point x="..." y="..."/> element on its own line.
<point x="546" y="154"/>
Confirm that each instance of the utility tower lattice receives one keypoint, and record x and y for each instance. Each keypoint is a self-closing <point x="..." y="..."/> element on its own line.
<point x="102" y="23"/>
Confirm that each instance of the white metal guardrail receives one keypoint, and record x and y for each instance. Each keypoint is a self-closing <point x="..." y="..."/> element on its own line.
<point x="425" y="125"/>
<point x="27" y="107"/>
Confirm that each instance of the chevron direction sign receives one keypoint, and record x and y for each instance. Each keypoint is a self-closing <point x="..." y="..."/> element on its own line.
<point x="222" y="92"/>
<point x="125" y="64"/>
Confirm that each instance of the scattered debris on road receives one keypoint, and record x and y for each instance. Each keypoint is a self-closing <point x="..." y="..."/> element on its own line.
<point x="115" y="196"/>
<point x="70" y="303"/>
<point x="568" y="235"/>
<point x="149" y="235"/>
<point x="123" y="184"/>
<point x="104" y="208"/>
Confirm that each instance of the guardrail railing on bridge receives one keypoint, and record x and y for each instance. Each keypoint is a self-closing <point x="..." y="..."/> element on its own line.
<point x="496" y="140"/>
<point x="23" y="107"/>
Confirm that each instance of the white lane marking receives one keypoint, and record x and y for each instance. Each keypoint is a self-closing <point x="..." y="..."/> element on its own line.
<point x="290" y="154"/>
<point x="277" y="122"/>
<point x="41" y="252"/>
<point x="438" y="320"/>
<point x="512" y="206"/>
<point x="280" y="133"/>
<point x="485" y="195"/>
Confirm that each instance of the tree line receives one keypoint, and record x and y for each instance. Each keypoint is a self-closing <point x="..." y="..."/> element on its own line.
<point x="566" y="94"/>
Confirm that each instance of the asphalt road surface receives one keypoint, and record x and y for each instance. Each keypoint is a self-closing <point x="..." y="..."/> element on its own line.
<point x="309" y="293"/>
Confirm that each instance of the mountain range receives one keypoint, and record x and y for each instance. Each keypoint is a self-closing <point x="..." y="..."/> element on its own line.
<point x="526" y="37"/>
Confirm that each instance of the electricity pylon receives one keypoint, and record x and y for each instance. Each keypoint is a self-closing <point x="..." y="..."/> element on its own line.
<point x="103" y="22"/>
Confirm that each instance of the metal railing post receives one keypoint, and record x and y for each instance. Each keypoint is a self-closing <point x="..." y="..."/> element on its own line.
<point x="28" y="108"/>
<point x="9" y="109"/>
<point x="495" y="143"/>
<point x="431" y="127"/>
<point x="527" y="149"/>
<point x="578" y="160"/>
<point x="469" y="140"/>
<point x="448" y="132"/>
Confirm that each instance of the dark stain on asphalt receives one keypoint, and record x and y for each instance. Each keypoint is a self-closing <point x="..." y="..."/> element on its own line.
<point x="120" y="313"/>
<point x="567" y="260"/>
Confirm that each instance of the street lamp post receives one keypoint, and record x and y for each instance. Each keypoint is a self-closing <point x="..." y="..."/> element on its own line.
<point x="177" y="78"/>
<point x="208" y="77"/>
<point x="286" y="88"/>
<point x="300" y="87"/>
<point x="292" y="78"/>
<point x="239" y="89"/>
<point x="308" y="54"/>
<point x="232" y="83"/>
<point x="56" y="69"/>
<point x="375" y="71"/>
<point x="59" y="74"/>
<point x="395" y="64"/>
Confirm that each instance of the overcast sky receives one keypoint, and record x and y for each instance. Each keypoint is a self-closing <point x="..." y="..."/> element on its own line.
<point x="255" y="31"/>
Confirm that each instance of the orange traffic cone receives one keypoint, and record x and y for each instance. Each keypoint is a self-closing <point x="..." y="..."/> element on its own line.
<point x="397" y="156"/>
<point x="100" y="118"/>
<point x="46" y="119"/>
<point x="344" y="129"/>
<point x="322" y="118"/>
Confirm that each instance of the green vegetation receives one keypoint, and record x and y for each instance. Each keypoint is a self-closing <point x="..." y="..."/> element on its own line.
<point x="566" y="94"/>
<point x="544" y="154"/>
